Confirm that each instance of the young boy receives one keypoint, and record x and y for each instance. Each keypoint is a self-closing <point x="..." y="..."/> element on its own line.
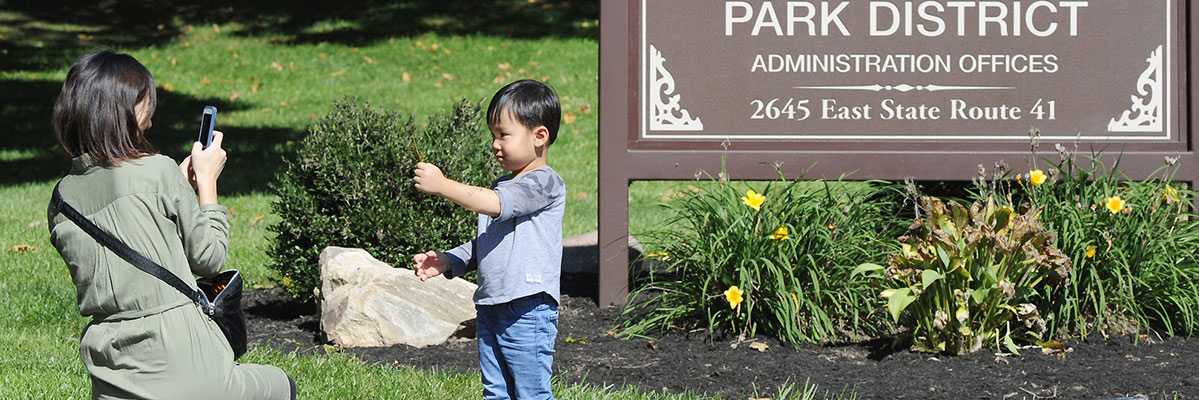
<point x="518" y="249"/>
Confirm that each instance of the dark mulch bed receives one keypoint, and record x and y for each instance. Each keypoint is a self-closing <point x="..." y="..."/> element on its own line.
<point x="1093" y="369"/>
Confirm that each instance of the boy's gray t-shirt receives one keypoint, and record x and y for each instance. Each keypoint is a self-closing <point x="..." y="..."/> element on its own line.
<point x="518" y="253"/>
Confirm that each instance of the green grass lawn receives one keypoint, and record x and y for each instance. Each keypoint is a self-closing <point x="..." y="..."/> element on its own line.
<point x="271" y="73"/>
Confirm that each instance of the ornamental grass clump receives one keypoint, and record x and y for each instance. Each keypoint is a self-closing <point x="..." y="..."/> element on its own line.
<point x="777" y="262"/>
<point x="965" y="279"/>
<point x="350" y="185"/>
<point x="1134" y="245"/>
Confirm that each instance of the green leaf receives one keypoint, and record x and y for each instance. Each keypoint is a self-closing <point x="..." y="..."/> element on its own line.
<point x="944" y="256"/>
<point x="1011" y="346"/>
<point x="979" y="295"/>
<point x="866" y="268"/>
<point x="929" y="277"/>
<point x="899" y="301"/>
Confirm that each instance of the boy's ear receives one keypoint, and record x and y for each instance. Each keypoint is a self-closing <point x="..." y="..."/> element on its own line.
<point x="541" y="136"/>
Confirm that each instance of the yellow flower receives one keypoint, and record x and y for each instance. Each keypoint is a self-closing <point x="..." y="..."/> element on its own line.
<point x="780" y="233"/>
<point x="733" y="295"/>
<point x="1171" y="194"/>
<point x="1114" y="204"/>
<point x="1036" y="177"/>
<point x="1090" y="251"/>
<point x="754" y="200"/>
<point x="286" y="282"/>
<point x="664" y="256"/>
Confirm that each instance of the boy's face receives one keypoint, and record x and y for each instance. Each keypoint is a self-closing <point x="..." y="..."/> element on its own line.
<point x="516" y="146"/>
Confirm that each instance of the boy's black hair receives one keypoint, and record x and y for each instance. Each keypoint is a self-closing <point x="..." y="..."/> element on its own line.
<point x="532" y="103"/>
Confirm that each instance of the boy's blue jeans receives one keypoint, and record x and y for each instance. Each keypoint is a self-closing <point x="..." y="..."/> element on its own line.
<point x="516" y="347"/>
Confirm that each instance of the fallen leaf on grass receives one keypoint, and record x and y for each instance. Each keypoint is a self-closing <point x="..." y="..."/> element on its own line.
<point x="276" y="65"/>
<point x="652" y="345"/>
<point x="572" y="340"/>
<point x="254" y="89"/>
<point x="234" y="95"/>
<point x="168" y="87"/>
<point x="1054" y="348"/>
<point x="255" y="220"/>
<point x="579" y="194"/>
<point x="405" y="77"/>
<point x="504" y="65"/>
<point x="338" y="73"/>
<point x="759" y="346"/>
<point x="37" y="223"/>
<point x="20" y="248"/>
<point x="569" y="118"/>
<point x="368" y="60"/>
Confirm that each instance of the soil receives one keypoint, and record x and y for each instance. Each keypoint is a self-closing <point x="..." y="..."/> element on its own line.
<point x="1098" y="368"/>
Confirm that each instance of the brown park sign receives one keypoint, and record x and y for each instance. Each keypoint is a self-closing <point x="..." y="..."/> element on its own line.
<point x="926" y="89"/>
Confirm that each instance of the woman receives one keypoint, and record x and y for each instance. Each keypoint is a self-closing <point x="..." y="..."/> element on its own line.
<point x="145" y="340"/>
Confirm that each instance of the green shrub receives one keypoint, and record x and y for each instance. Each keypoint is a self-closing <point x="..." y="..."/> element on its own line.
<point x="1135" y="263"/>
<point x="963" y="275"/>
<point x="788" y="251"/>
<point x="350" y="185"/>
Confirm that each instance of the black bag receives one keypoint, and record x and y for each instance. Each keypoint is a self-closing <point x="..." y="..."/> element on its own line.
<point x="219" y="296"/>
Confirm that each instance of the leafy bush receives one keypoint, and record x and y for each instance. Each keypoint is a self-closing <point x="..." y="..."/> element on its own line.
<point x="963" y="275"/>
<point x="350" y="185"/>
<point x="1134" y="244"/>
<point x="776" y="262"/>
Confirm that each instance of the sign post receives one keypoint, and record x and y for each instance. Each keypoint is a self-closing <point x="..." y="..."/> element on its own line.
<point x="883" y="89"/>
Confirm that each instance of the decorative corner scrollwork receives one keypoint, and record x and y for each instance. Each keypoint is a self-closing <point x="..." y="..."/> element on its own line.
<point x="1145" y="114"/>
<point x="666" y="115"/>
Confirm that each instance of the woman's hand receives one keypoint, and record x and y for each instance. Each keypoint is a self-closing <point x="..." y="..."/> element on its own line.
<point x="206" y="165"/>
<point x="186" y="168"/>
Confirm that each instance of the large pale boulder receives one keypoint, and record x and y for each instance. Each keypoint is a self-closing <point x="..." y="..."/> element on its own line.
<point x="366" y="302"/>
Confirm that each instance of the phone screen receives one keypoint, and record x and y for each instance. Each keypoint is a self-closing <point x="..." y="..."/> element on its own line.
<point x="206" y="129"/>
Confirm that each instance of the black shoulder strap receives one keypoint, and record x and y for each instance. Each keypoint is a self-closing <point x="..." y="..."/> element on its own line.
<point x="124" y="251"/>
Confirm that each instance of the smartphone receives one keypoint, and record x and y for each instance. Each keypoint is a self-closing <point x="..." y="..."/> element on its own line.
<point x="206" y="124"/>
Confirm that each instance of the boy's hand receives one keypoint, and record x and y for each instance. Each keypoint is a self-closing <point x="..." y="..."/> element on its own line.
<point x="430" y="264"/>
<point x="428" y="178"/>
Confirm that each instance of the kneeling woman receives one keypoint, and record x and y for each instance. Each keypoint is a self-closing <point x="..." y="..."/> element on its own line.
<point x="146" y="339"/>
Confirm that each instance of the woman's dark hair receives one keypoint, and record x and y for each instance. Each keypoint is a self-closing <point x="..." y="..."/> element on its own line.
<point x="532" y="103"/>
<point x="95" y="112"/>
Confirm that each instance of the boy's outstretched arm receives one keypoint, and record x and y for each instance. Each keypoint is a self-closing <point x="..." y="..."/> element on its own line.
<point x="429" y="179"/>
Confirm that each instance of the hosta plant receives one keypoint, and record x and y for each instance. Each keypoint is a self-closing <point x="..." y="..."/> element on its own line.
<point x="968" y="278"/>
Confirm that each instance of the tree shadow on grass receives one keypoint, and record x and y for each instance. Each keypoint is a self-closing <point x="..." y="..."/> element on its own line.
<point x="52" y="34"/>
<point x="32" y="153"/>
